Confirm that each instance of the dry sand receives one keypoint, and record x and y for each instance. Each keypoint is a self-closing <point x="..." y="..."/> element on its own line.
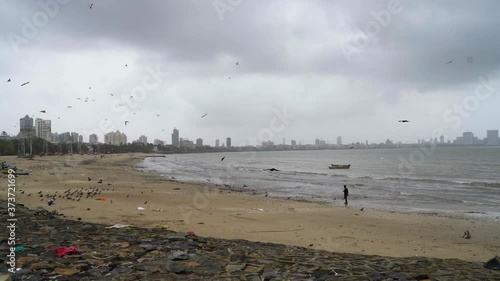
<point x="209" y="211"/>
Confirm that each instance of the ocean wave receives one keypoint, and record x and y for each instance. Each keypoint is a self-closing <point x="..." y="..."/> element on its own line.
<point x="436" y="181"/>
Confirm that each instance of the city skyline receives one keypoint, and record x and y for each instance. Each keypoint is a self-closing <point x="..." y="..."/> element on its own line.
<point x="348" y="68"/>
<point x="26" y="124"/>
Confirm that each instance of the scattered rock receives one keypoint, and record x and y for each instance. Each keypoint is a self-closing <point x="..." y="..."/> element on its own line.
<point x="493" y="263"/>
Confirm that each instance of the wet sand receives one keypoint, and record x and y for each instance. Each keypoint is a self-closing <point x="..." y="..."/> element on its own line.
<point x="214" y="212"/>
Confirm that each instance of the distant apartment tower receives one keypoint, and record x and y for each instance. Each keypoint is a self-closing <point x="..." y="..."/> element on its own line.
<point x="115" y="138"/>
<point x="26" y="127"/>
<point x="217" y="143"/>
<point x="55" y="137"/>
<point x="339" y="140"/>
<point x="143" y="139"/>
<point x="64" y="137"/>
<point x="199" y="142"/>
<point x="75" y="137"/>
<point x="158" y="142"/>
<point x="228" y="142"/>
<point x="175" y="137"/>
<point x="284" y="141"/>
<point x="294" y="142"/>
<point x="43" y="129"/>
<point x="492" y="137"/>
<point x="468" y="138"/>
<point x="93" y="139"/>
<point x="441" y="139"/>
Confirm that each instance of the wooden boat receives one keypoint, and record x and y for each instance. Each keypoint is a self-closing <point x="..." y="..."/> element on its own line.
<point x="333" y="166"/>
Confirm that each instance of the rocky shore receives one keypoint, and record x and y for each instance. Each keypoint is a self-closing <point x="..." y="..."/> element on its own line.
<point x="132" y="253"/>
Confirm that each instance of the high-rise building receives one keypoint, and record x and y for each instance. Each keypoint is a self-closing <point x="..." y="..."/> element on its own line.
<point x="43" y="129"/>
<point x="228" y="142"/>
<point x="199" y="142"/>
<point x="339" y="140"/>
<point x="175" y="137"/>
<point x="55" y="137"/>
<point x="468" y="138"/>
<point x="294" y="142"/>
<point x="65" y="137"/>
<point x="492" y="137"/>
<point x="217" y="143"/>
<point x="186" y="143"/>
<point x="115" y="138"/>
<point x="158" y="142"/>
<point x="284" y="141"/>
<point x="93" y="139"/>
<point x="26" y="127"/>
<point x="441" y="139"/>
<point x="80" y="139"/>
<point x="143" y="139"/>
<point x="75" y="137"/>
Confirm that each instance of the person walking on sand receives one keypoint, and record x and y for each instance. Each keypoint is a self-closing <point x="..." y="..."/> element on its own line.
<point x="346" y="193"/>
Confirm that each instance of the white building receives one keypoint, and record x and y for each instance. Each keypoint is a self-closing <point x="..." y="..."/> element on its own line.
<point x="115" y="138"/>
<point x="492" y="137"/>
<point x="143" y="139"/>
<point x="93" y="139"/>
<point x="217" y="143"/>
<point x="43" y="129"/>
<point x="339" y="140"/>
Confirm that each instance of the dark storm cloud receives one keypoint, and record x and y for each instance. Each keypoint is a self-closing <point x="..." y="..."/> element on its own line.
<point x="290" y="52"/>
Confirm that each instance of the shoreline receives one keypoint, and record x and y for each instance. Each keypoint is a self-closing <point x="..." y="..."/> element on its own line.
<point x="218" y="212"/>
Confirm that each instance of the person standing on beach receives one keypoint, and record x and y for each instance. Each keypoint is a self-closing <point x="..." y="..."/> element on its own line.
<point x="346" y="193"/>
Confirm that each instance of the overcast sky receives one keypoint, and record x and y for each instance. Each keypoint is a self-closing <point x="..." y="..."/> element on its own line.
<point x="337" y="68"/>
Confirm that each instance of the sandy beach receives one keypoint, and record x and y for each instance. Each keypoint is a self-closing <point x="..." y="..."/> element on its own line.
<point x="213" y="212"/>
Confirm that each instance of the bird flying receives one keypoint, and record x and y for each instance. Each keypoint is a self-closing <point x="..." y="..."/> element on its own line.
<point x="90" y="88"/>
<point x="404" y="121"/>
<point x="112" y="94"/>
<point x="90" y="6"/>
<point x="223" y="158"/>
<point x="157" y="114"/>
<point x="449" y="62"/>
<point x="69" y="106"/>
<point x="8" y="80"/>
<point x="126" y="122"/>
<point x="229" y="77"/>
<point x="125" y="65"/>
<point x="204" y="115"/>
<point x="25" y="83"/>
<point x="43" y="111"/>
<point x="237" y="63"/>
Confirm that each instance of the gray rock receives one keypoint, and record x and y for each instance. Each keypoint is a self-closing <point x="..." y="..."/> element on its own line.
<point x="493" y="263"/>
<point x="177" y="267"/>
<point x="235" y="267"/>
<point x="178" y="255"/>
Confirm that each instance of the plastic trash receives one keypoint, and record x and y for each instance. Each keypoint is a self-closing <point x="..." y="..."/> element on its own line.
<point x="19" y="249"/>
<point x="118" y="226"/>
<point x="162" y="226"/>
<point x="191" y="233"/>
<point x="51" y="202"/>
<point x="63" y="251"/>
<point x="140" y="208"/>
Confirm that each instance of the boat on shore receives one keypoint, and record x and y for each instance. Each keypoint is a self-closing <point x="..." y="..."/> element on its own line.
<point x="342" y="166"/>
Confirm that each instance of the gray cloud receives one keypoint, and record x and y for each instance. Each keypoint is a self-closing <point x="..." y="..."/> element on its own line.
<point x="290" y="53"/>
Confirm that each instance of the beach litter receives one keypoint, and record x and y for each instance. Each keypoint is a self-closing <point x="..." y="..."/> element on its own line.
<point x="258" y="209"/>
<point x="19" y="249"/>
<point x="118" y="226"/>
<point x="158" y="210"/>
<point x="63" y="251"/>
<point x="140" y="208"/>
<point x="191" y="234"/>
<point x="162" y="226"/>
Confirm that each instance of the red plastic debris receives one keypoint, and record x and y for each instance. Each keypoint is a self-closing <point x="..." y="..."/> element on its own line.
<point x="63" y="251"/>
<point x="191" y="233"/>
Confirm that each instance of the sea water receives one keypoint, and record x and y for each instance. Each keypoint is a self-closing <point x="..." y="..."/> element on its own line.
<point x="441" y="179"/>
